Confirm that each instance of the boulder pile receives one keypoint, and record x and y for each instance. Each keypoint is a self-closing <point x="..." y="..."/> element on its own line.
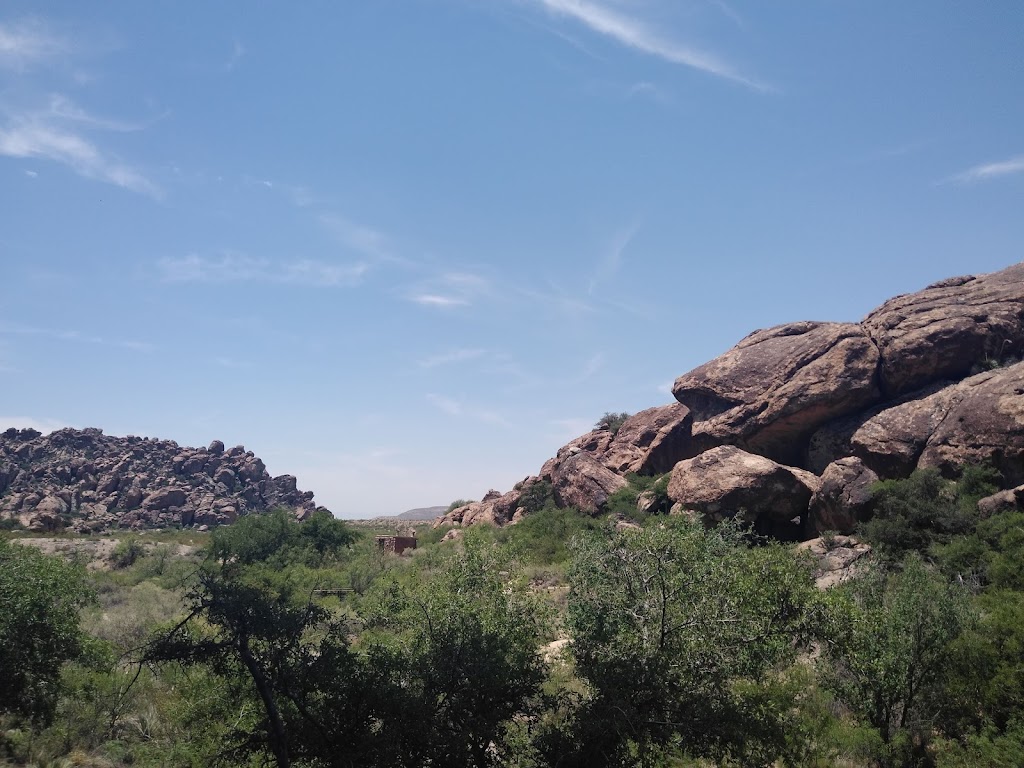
<point x="790" y="428"/>
<point x="87" y="481"/>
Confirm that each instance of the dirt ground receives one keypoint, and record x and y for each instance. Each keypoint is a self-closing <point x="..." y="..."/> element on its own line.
<point x="94" y="552"/>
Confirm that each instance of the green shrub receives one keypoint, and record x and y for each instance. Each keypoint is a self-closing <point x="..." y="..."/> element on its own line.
<point x="537" y="496"/>
<point x="126" y="553"/>
<point x="542" y="538"/>
<point x="922" y="511"/>
<point x="624" y="501"/>
<point x="611" y="421"/>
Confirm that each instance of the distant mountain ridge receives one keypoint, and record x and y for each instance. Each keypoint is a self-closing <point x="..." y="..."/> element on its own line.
<point x="423" y="513"/>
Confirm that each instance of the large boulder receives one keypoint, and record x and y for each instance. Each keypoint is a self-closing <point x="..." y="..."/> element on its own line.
<point x="949" y="328"/>
<point x="47" y="515"/>
<point x="977" y="420"/>
<point x="1011" y="500"/>
<point x="841" y="500"/>
<point x="651" y="442"/>
<point x="165" y="498"/>
<point x="581" y="481"/>
<point x="777" y="386"/>
<point x="727" y="482"/>
<point x="984" y="424"/>
<point x="833" y="441"/>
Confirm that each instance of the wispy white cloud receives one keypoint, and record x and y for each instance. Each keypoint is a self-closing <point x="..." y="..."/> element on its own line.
<point x="728" y="11"/>
<point x="448" y="358"/>
<point x="74" y="336"/>
<point x="458" y="409"/>
<point x="32" y="136"/>
<point x="650" y="91"/>
<point x="590" y="368"/>
<point x="27" y="41"/>
<point x="234" y="268"/>
<point x="357" y="237"/>
<point x="612" y="259"/>
<point x="435" y="300"/>
<point x="988" y="171"/>
<point x="445" y="404"/>
<point x="237" y="53"/>
<point x="63" y="108"/>
<point x="450" y="290"/>
<point x="557" y="300"/>
<point x="641" y="36"/>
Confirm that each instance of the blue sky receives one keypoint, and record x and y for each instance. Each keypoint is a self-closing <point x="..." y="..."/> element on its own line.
<point x="405" y="249"/>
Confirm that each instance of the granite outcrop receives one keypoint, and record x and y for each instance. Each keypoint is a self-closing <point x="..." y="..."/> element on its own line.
<point x="87" y="481"/>
<point x="790" y="428"/>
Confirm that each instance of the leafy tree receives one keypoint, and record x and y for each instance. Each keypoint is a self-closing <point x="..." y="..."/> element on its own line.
<point x="462" y="659"/>
<point x="40" y="597"/>
<point x="540" y="495"/>
<point x="251" y="615"/>
<point x="677" y="631"/>
<point x="887" y="642"/>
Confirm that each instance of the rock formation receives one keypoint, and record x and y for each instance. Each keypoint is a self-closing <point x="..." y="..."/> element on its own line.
<point x="88" y="481"/>
<point x="791" y="427"/>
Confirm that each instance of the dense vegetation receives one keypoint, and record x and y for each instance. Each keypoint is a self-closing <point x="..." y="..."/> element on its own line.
<point x="560" y="641"/>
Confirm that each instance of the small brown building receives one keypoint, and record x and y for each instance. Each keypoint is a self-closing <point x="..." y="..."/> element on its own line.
<point x="396" y="544"/>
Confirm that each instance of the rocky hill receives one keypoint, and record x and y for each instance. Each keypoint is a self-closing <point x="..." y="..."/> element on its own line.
<point x="88" y="481"/>
<point x="790" y="427"/>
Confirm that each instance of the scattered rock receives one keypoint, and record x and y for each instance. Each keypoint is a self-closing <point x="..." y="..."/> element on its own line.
<point x="838" y="558"/>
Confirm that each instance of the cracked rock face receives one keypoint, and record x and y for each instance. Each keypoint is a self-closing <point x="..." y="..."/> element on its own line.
<point x="88" y="481"/>
<point x="771" y="391"/>
<point x="977" y="420"/>
<point x="945" y="330"/>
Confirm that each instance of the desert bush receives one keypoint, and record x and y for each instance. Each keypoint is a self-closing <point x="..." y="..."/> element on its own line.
<point x="126" y="553"/>
<point x="543" y="537"/>
<point x="611" y="421"/>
